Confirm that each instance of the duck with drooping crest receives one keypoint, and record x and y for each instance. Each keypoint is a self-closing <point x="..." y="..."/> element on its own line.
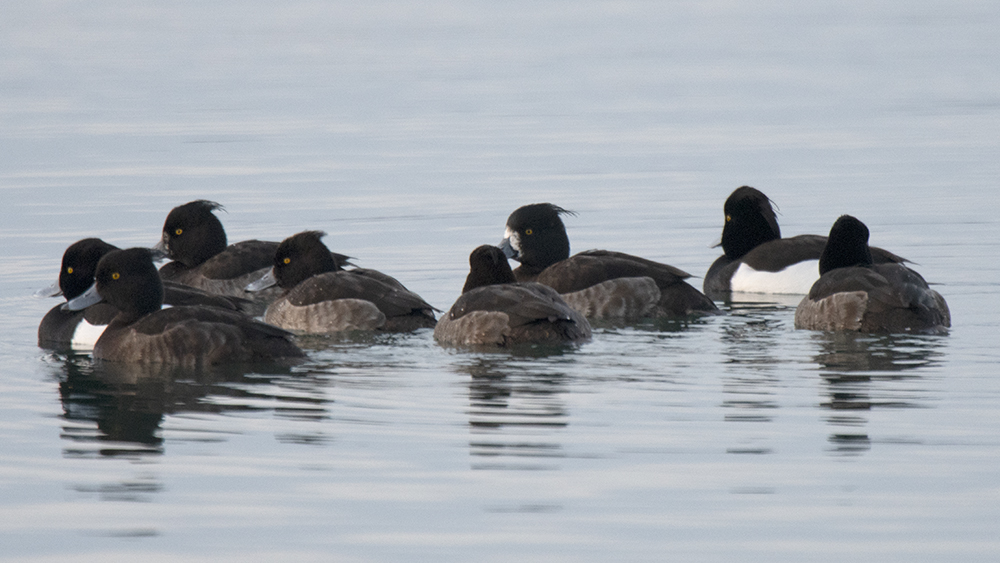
<point x="319" y="296"/>
<point x="757" y="259"/>
<point x="601" y="284"/>
<point x="194" y="239"/>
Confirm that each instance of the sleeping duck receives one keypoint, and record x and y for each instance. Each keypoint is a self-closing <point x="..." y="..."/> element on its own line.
<point x="601" y="284"/>
<point x="496" y="310"/>
<point x="854" y="293"/>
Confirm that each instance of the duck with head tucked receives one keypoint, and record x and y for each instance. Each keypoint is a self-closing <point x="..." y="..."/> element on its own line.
<point x="757" y="259"/>
<point x="144" y="332"/>
<point x="854" y="293"/>
<point x="601" y="284"/>
<point x="496" y="310"/>
<point x="319" y="296"/>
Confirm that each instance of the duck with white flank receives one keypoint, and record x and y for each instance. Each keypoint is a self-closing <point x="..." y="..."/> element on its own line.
<point x="144" y="332"/>
<point x="79" y="330"/>
<point x="757" y="259"/>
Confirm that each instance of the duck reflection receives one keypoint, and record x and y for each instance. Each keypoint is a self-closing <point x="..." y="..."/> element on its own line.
<point x="750" y="340"/>
<point x="857" y="352"/>
<point x="515" y="410"/>
<point x="863" y="372"/>
<point x="128" y="402"/>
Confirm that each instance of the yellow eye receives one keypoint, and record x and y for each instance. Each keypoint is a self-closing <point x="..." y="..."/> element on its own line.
<point x="178" y="232"/>
<point x="728" y="218"/>
<point x="528" y="231"/>
<point x="115" y="276"/>
<point x="287" y="260"/>
<point x="69" y="270"/>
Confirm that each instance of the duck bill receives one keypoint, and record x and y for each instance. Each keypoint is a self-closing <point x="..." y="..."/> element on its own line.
<point x="52" y="290"/>
<point x="510" y="245"/>
<point x="160" y="251"/>
<point x="88" y="298"/>
<point x="265" y="281"/>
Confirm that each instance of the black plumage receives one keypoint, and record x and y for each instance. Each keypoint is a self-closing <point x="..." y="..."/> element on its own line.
<point x="751" y="236"/>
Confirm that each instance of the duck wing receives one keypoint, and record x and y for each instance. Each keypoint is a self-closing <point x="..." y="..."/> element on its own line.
<point x="391" y="298"/>
<point x="592" y="267"/>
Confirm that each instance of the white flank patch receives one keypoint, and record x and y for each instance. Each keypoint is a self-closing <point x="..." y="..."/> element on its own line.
<point x="795" y="279"/>
<point x="86" y="335"/>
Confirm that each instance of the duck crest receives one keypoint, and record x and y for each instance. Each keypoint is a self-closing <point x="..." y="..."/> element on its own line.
<point x="301" y="256"/>
<point x="750" y="222"/>
<point x="536" y="237"/>
<point x="192" y="233"/>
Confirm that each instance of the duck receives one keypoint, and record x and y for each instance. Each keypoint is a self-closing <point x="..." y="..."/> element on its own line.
<point x="757" y="259"/>
<point x="319" y="296"/>
<point x="854" y="293"/>
<point x="497" y="310"/>
<point x="143" y="332"/>
<point x="79" y="330"/>
<point x="600" y="284"/>
<point x="195" y="241"/>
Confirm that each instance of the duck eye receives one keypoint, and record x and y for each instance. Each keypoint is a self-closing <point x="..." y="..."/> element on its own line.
<point x="729" y="218"/>
<point x="115" y="276"/>
<point x="178" y="232"/>
<point x="69" y="270"/>
<point x="287" y="260"/>
<point x="528" y="231"/>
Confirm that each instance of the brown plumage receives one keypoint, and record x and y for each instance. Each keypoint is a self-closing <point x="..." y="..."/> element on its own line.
<point x="142" y="332"/>
<point x="194" y="239"/>
<point x="598" y="283"/>
<point x="855" y="294"/>
<point x="320" y="297"/>
<point x="58" y="329"/>
<point x="494" y="310"/>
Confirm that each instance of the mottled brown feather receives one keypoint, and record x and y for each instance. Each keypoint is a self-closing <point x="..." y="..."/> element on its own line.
<point x="882" y="298"/>
<point x="508" y="314"/>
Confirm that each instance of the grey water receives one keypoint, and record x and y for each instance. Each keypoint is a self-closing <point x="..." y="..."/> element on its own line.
<point x="408" y="131"/>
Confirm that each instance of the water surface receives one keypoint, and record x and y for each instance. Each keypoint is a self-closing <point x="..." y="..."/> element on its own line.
<point x="408" y="132"/>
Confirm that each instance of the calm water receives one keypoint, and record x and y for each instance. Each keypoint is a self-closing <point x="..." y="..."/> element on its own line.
<point x="408" y="132"/>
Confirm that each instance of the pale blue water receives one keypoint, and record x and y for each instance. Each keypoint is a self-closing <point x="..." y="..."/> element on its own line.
<point x="408" y="132"/>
